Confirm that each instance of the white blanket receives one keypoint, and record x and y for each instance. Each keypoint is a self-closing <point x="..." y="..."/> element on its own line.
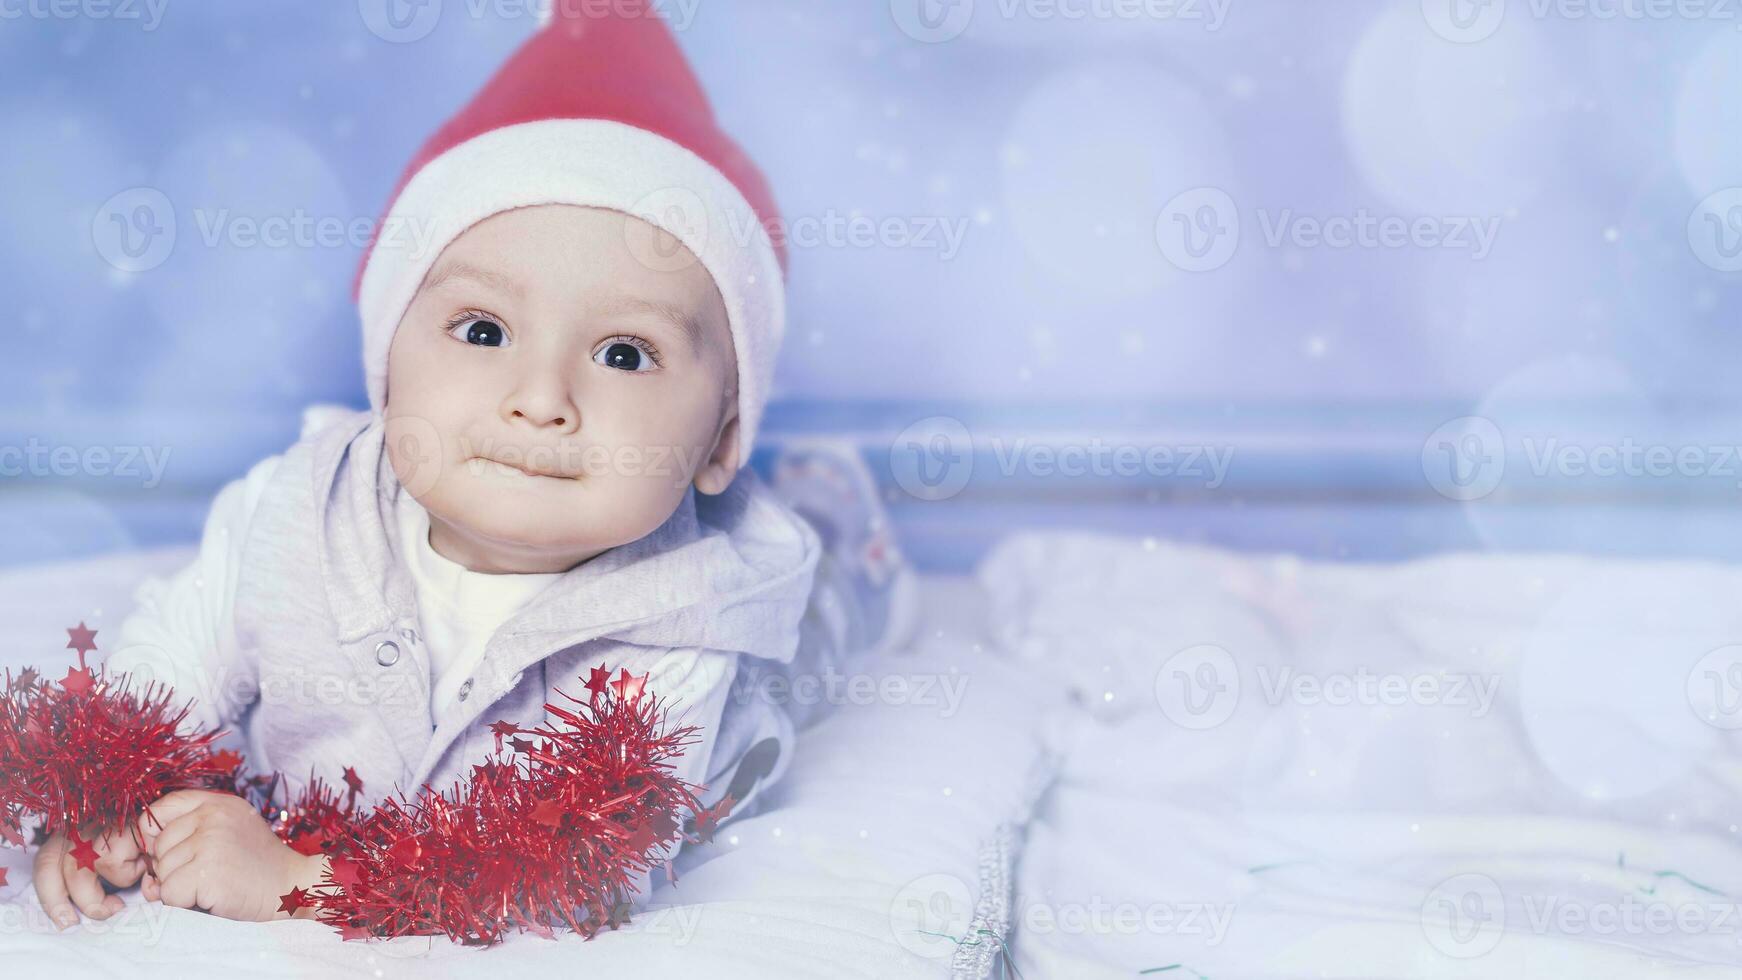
<point x="1468" y="767"/>
<point x="892" y="824"/>
<point x="1250" y="795"/>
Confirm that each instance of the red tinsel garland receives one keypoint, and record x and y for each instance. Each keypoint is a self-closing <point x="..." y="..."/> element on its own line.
<point x="87" y="755"/>
<point x="557" y="835"/>
<point x="557" y="831"/>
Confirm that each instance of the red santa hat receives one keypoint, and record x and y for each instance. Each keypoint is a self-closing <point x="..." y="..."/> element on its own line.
<point x="597" y="109"/>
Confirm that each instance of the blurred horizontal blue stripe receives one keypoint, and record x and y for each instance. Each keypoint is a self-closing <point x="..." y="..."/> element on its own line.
<point x="1349" y="482"/>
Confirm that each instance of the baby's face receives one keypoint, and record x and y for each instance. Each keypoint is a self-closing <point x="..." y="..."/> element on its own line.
<point x="572" y="391"/>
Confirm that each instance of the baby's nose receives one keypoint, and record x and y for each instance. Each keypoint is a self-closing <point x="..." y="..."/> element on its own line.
<point x="538" y="419"/>
<point x="546" y="406"/>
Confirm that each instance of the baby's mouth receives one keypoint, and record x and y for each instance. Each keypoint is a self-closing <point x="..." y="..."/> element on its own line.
<point x="516" y="469"/>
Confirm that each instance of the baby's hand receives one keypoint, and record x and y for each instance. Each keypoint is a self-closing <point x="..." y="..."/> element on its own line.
<point x="61" y="883"/>
<point x="213" y="851"/>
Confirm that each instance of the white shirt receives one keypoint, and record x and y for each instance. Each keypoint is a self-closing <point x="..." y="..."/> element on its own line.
<point x="459" y="609"/>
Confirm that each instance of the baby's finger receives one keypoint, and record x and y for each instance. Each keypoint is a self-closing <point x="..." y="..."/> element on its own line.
<point x="121" y="874"/>
<point x="118" y="859"/>
<point x="182" y="889"/>
<point x="174" y="859"/>
<point x="149" y="890"/>
<point x="173" y="833"/>
<point x="168" y="807"/>
<point x="119" y="845"/>
<point x="51" y="887"/>
<point x="84" y="889"/>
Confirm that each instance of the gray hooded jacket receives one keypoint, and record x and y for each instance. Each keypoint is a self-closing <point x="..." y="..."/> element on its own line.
<point x="330" y="670"/>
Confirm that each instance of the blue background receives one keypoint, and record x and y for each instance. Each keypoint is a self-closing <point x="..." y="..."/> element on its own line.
<point x="1059" y="146"/>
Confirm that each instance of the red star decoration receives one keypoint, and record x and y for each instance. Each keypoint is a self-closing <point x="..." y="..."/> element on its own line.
<point x="82" y="639"/>
<point x="345" y="873"/>
<point x="406" y="851"/>
<point x="628" y="686"/>
<point x="597" y="681"/>
<point x="351" y="930"/>
<point x="521" y="744"/>
<point x="10" y="834"/>
<point x="26" y="679"/>
<point x="642" y="839"/>
<point x="353" y="780"/>
<point x="619" y="915"/>
<point x="709" y="819"/>
<point x="229" y="759"/>
<point x="548" y="813"/>
<point x="298" y="898"/>
<point x="77" y="682"/>
<point x="306" y="842"/>
<point x="83" y="853"/>
<point x="502" y="729"/>
<point x="486" y="772"/>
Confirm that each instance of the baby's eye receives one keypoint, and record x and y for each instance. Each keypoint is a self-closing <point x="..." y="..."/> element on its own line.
<point x="479" y="331"/>
<point x="627" y="354"/>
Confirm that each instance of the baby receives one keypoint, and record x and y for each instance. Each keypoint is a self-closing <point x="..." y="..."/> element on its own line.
<point x="570" y="318"/>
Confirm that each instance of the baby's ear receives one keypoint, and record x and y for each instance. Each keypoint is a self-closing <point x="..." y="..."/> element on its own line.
<point x="721" y="467"/>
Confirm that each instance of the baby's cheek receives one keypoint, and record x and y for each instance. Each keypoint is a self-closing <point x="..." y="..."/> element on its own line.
<point x="421" y="455"/>
<point x="628" y="505"/>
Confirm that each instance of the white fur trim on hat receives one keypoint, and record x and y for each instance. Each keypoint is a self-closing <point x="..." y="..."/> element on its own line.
<point x="596" y="163"/>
